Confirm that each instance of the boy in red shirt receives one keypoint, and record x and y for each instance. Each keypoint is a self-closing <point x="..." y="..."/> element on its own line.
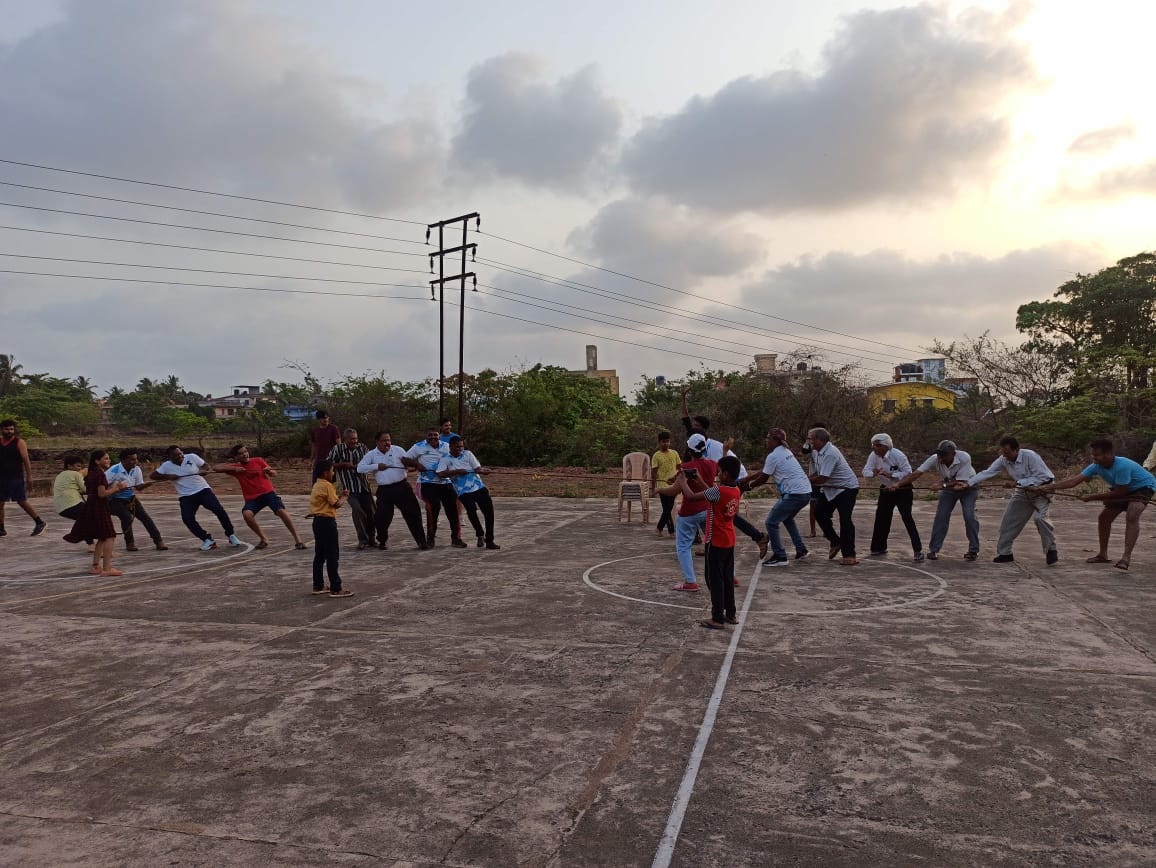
<point x="723" y="498"/>
<point x="255" y="475"/>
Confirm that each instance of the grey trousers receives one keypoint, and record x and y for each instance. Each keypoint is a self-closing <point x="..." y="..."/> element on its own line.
<point x="947" y="501"/>
<point x="1020" y="509"/>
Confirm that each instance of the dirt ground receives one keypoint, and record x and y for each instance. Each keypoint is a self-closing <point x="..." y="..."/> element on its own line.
<point x="538" y="705"/>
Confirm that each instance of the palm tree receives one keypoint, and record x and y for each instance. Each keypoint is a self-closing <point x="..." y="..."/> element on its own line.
<point x="85" y="385"/>
<point x="10" y="377"/>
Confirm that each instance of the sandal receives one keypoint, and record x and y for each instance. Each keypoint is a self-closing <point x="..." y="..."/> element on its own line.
<point x="320" y="592"/>
<point x="1123" y="564"/>
<point x="300" y="546"/>
<point x="710" y="624"/>
<point x="1097" y="559"/>
<point x="263" y="544"/>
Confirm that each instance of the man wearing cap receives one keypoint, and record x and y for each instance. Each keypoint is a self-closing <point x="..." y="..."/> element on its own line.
<point x="1026" y="471"/>
<point x="954" y="468"/>
<point x="784" y="468"/>
<point x="889" y="464"/>
<point x="840" y="489"/>
<point x="699" y="473"/>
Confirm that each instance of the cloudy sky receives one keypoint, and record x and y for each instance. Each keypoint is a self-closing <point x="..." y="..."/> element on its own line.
<point x="680" y="183"/>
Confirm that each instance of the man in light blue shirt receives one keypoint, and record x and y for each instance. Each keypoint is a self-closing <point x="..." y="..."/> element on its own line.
<point x="125" y="505"/>
<point x="437" y="493"/>
<point x="1131" y="490"/>
<point x="1027" y="472"/>
<point x="464" y="470"/>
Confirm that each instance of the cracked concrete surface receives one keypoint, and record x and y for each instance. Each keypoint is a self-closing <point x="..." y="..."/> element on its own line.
<point x="489" y="709"/>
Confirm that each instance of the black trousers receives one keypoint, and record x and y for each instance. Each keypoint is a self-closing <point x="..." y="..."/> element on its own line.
<point x="361" y="506"/>
<point x="326" y="553"/>
<point x="741" y="524"/>
<point x="666" y="520"/>
<point x="126" y="511"/>
<point x="475" y="500"/>
<point x="74" y="513"/>
<point x="843" y="504"/>
<point x="720" y="580"/>
<point x="889" y="501"/>
<point x="190" y="503"/>
<point x="401" y="496"/>
<point x="438" y="497"/>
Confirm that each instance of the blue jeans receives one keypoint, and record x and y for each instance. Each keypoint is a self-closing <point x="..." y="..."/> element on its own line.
<point x="784" y="513"/>
<point x="685" y="527"/>
<point x="947" y="501"/>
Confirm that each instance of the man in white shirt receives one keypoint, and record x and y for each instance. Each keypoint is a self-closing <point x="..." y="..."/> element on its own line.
<point x="889" y="465"/>
<point x="839" y="487"/>
<point x="438" y="493"/>
<point x="385" y="462"/>
<point x="187" y="473"/>
<point x="125" y="505"/>
<point x="954" y="468"/>
<point x="784" y="468"/>
<point x="1026" y="470"/>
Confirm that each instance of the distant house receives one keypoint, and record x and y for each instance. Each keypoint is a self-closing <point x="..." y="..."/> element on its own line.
<point x="607" y="375"/>
<point x="920" y="384"/>
<point x="767" y="367"/>
<point x="242" y="401"/>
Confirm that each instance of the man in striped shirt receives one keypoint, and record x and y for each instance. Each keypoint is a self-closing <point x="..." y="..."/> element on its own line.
<point x="345" y="456"/>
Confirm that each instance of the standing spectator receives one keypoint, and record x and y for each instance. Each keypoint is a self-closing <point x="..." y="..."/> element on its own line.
<point x="723" y="499"/>
<point x="784" y="468"/>
<point x="68" y="490"/>
<point x="954" y="468"/>
<point x="664" y="466"/>
<point x="256" y="478"/>
<point x="463" y="469"/>
<point x="445" y="429"/>
<point x="699" y="473"/>
<point x="187" y="473"/>
<point x="839" y="487"/>
<point x="891" y="465"/>
<point x="345" y="456"/>
<point x="324" y="502"/>
<point x="126" y="506"/>
<point x="322" y="439"/>
<point x="96" y="520"/>
<point x="701" y="425"/>
<point x="385" y="462"/>
<point x="437" y="493"/>
<point x="1026" y="471"/>
<point x="16" y="475"/>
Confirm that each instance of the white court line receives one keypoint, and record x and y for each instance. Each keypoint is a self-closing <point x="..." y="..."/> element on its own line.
<point x="686" y="788"/>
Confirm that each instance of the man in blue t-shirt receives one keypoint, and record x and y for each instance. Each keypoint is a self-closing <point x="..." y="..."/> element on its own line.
<point x="1131" y="490"/>
<point x="464" y="470"/>
<point x="437" y="493"/>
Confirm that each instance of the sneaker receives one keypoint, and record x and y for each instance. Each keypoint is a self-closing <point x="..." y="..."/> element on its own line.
<point x="803" y="555"/>
<point x="38" y="528"/>
<point x="1002" y="559"/>
<point x="971" y="556"/>
<point x="493" y="546"/>
<point x="341" y="593"/>
<point x="919" y="556"/>
<point x="686" y="586"/>
<point x="233" y="540"/>
<point x="934" y="556"/>
<point x="777" y="561"/>
<point x="1053" y="556"/>
<point x="208" y="545"/>
<point x="457" y="543"/>
<point x="763" y="542"/>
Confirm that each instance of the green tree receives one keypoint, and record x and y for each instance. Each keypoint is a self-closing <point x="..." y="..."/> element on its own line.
<point x="11" y="378"/>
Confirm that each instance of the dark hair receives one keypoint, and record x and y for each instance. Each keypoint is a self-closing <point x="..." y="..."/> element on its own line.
<point x="454" y="438"/>
<point x="703" y="422"/>
<point x="663" y="435"/>
<point x="72" y="458"/>
<point x="321" y="467"/>
<point x="731" y="465"/>
<point x="235" y="451"/>
<point x="320" y="414"/>
<point x="820" y="425"/>
<point x="169" y="450"/>
<point x="6" y="422"/>
<point x="1102" y="444"/>
<point x="128" y="450"/>
<point x="444" y="419"/>
<point x="1009" y="441"/>
<point x="377" y="436"/>
<point x="96" y="455"/>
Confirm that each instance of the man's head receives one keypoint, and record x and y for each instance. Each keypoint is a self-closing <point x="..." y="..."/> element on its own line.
<point x="728" y="469"/>
<point x="350" y="437"/>
<point x="456" y="445"/>
<point x="664" y="440"/>
<point x="73" y="462"/>
<point x="818" y="437"/>
<point x="433" y="436"/>
<point x="881" y="444"/>
<point x="776" y="437"/>
<point x="322" y="418"/>
<point x="175" y="454"/>
<point x="129" y="458"/>
<point x="700" y="423"/>
<point x="383" y="441"/>
<point x="445" y="425"/>
<point x="696" y="444"/>
<point x="1103" y="451"/>
<point x="240" y="453"/>
<point x="1009" y="448"/>
<point x="8" y="428"/>
<point x="946" y="451"/>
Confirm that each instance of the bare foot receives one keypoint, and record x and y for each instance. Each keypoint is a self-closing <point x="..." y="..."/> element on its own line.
<point x="1123" y="564"/>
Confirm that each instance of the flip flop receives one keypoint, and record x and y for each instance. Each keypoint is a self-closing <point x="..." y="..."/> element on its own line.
<point x="1097" y="559"/>
<point x="1123" y="564"/>
<point x="299" y="546"/>
<point x="261" y="545"/>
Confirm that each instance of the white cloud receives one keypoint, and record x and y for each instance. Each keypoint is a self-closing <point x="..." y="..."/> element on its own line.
<point x="1102" y="140"/>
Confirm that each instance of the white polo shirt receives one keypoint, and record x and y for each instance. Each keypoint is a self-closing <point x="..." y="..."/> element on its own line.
<point x="782" y="466"/>
<point x="394" y="470"/>
<point x="959" y="469"/>
<point x="189" y="471"/>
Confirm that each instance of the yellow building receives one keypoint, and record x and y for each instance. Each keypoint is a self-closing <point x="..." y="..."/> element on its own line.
<point x="912" y="394"/>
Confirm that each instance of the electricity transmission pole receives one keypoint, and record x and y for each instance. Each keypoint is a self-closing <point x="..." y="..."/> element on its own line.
<point x="440" y="284"/>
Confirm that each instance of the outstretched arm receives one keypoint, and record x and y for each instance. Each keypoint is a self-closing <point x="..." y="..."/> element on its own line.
<point x="906" y="480"/>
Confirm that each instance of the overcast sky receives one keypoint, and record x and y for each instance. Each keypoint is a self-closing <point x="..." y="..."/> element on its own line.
<point x="858" y="178"/>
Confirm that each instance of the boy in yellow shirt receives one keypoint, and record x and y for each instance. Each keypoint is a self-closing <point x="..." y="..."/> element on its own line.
<point x="664" y="466"/>
<point x="324" y="502"/>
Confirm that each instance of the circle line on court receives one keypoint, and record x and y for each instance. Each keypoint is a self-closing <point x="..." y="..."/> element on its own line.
<point x="245" y="549"/>
<point x="938" y="592"/>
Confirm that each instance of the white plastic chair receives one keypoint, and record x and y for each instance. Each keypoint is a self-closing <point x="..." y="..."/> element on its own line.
<point x="635" y="485"/>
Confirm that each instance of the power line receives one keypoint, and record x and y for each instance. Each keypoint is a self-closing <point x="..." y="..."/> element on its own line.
<point x="206" y="249"/>
<point x="692" y="294"/>
<point x="212" y="193"/>
<point x="205" y="229"/>
<point x="208" y="213"/>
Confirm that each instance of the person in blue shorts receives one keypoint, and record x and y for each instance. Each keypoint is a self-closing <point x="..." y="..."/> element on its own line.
<point x="1131" y="490"/>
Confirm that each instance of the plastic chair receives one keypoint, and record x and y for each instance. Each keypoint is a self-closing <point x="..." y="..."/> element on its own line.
<point x="635" y="485"/>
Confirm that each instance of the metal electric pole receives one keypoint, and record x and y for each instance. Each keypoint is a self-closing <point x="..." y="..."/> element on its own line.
<point x="466" y="247"/>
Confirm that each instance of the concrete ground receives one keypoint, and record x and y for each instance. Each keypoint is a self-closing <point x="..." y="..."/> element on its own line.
<point x="538" y="705"/>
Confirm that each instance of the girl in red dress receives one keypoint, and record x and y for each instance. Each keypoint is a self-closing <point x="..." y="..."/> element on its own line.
<point x="96" y="520"/>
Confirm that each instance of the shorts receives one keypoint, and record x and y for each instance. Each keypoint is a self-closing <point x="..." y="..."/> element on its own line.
<point x="13" y="490"/>
<point x="1139" y="495"/>
<point x="268" y="499"/>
